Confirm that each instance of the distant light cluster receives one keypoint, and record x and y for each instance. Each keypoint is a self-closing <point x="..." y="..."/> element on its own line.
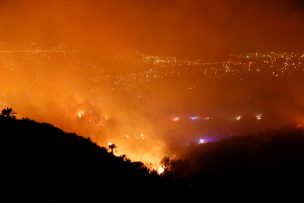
<point x="157" y="68"/>
<point x="202" y="141"/>
<point x="259" y="116"/>
<point x="194" y="118"/>
<point x="238" y="67"/>
<point x="187" y="78"/>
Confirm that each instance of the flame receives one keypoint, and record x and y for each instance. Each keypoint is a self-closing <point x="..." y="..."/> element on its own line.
<point x="40" y="86"/>
<point x="160" y="170"/>
<point x="80" y="114"/>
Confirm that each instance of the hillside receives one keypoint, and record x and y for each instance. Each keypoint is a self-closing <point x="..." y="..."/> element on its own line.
<point x="268" y="161"/>
<point x="38" y="158"/>
<point x="41" y="159"/>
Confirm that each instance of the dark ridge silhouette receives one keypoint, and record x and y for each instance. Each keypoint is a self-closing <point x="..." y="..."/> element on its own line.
<point x="38" y="159"/>
<point x="267" y="161"/>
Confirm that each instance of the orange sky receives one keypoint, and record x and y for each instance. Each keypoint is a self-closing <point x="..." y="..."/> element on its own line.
<point x="171" y="27"/>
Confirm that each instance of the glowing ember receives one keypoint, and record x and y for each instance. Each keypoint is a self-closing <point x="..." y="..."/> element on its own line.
<point x="238" y="118"/>
<point x="176" y="119"/>
<point x="160" y="170"/>
<point x="80" y="114"/>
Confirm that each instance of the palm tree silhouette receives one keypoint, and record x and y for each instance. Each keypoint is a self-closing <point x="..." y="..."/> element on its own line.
<point x="112" y="147"/>
<point x="8" y="113"/>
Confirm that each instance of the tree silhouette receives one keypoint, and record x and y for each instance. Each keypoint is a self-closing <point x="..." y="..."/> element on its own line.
<point x="8" y="113"/>
<point x="112" y="147"/>
<point x="166" y="163"/>
<point x="71" y="164"/>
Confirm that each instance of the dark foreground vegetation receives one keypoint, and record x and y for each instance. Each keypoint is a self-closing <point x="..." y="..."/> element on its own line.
<point x="39" y="159"/>
<point x="268" y="160"/>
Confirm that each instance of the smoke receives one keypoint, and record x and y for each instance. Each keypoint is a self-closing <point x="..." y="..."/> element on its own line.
<point x="64" y="67"/>
<point x="170" y="27"/>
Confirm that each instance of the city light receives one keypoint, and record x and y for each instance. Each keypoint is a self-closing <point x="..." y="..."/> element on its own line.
<point x="194" y="118"/>
<point x="259" y="116"/>
<point x="238" y="118"/>
<point x="202" y="141"/>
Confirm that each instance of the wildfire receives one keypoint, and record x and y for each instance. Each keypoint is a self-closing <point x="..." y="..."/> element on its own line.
<point x="160" y="170"/>
<point x="80" y="114"/>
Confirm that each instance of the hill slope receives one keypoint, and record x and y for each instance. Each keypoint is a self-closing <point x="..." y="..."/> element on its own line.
<point x="40" y="158"/>
<point x="269" y="160"/>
